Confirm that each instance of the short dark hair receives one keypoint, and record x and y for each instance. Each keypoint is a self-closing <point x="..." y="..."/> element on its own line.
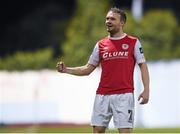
<point x="120" y="12"/>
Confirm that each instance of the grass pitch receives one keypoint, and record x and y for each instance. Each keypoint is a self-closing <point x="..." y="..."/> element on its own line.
<point x="40" y="129"/>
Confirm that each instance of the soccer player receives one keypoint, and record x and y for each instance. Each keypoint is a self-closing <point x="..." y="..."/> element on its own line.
<point x="118" y="53"/>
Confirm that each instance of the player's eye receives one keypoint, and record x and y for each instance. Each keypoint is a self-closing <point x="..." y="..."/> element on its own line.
<point x="113" y="18"/>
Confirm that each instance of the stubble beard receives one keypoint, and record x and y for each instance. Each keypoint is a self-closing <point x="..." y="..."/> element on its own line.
<point x="112" y="32"/>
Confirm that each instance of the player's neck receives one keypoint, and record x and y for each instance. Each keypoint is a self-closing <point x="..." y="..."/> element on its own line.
<point x="118" y="34"/>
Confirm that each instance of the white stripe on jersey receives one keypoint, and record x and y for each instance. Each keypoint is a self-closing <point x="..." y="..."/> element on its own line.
<point x="94" y="58"/>
<point x="138" y="54"/>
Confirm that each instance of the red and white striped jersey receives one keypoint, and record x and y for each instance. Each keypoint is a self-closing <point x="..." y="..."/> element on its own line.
<point x="117" y="57"/>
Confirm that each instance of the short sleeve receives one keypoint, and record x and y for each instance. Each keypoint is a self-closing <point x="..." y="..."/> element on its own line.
<point x="94" y="58"/>
<point x="138" y="53"/>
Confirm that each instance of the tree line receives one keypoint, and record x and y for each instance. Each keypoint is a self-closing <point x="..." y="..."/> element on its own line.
<point x="158" y="32"/>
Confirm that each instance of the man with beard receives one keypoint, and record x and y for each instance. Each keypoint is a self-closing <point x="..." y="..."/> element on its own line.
<point x="118" y="53"/>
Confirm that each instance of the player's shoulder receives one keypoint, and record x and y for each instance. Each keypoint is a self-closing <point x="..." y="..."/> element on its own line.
<point x="104" y="40"/>
<point x="131" y="37"/>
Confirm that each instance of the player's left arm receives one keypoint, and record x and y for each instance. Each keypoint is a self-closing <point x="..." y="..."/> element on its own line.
<point x="145" y="79"/>
<point x="141" y="61"/>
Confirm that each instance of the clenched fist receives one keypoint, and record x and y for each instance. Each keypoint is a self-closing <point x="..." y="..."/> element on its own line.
<point x="61" y="67"/>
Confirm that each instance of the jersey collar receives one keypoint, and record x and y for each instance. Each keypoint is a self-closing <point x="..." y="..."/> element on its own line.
<point x="117" y="38"/>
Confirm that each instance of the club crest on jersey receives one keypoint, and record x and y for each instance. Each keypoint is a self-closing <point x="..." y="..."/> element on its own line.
<point x="125" y="46"/>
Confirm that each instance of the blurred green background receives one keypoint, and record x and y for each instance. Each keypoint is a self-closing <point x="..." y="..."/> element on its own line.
<point x="37" y="34"/>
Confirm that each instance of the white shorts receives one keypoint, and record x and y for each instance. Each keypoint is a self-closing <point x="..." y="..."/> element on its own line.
<point x="120" y="106"/>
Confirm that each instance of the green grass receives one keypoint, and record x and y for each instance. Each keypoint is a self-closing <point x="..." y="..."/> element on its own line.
<point x="36" y="129"/>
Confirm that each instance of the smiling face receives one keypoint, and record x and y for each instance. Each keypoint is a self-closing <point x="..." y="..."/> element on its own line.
<point x="113" y="23"/>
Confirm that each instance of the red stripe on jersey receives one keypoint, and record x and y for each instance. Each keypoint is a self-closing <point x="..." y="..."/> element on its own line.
<point x="118" y="62"/>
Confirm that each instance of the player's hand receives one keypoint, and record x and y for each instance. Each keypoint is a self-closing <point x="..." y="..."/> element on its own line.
<point x="61" y="67"/>
<point x="144" y="97"/>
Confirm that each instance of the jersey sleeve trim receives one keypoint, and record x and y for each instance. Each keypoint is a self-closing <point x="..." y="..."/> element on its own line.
<point x="138" y="53"/>
<point x="94" y="58"/>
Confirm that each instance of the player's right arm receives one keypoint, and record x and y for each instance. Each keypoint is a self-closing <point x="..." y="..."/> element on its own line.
<point x="80" y="71"/>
